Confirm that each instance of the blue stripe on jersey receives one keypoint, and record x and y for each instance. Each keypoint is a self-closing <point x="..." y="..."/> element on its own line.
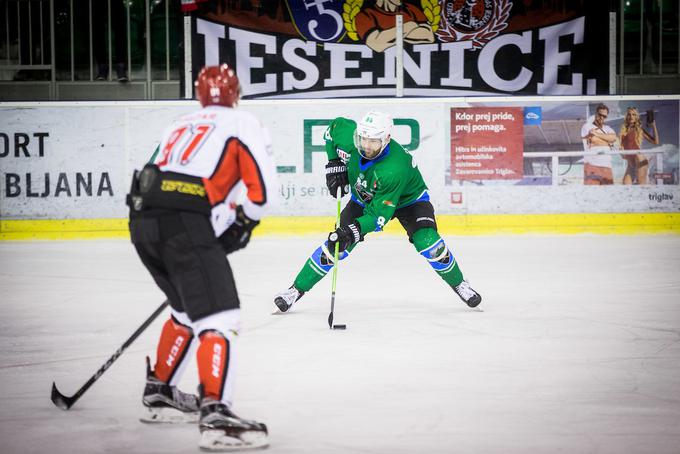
<point x="424" y="197"/>
<point x="370" y="162"/>
<point x="358" y="201"/>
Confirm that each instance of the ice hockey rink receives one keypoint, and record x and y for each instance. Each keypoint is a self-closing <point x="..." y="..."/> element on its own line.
<point x="575" y="348"/>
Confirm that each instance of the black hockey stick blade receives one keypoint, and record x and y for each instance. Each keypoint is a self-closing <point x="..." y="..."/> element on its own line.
<point x="65" y="402"/>
<point x="332" y="326"/>
<point x="61" y="400"/>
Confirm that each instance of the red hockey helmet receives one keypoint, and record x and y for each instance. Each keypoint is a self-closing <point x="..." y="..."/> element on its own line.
<point x="217" y="85"/>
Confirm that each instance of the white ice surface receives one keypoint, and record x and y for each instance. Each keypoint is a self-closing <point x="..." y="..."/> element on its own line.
<point x="576" y="349"/>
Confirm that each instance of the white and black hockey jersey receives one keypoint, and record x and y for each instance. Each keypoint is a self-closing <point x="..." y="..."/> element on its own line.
<point x="229" y="150"/>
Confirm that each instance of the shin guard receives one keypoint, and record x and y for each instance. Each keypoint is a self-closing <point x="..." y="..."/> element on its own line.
<point x="213" y="363"/>
<point x="317" y="266"/>
<point x="431" y="246"/>
<point x="171" y="353"/>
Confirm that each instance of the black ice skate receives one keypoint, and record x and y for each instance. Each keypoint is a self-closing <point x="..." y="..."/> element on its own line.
<point x="222" y="430"/>
<point x="467" y="294"/>
<point x="285" y="299"/>
<point x="167" y="404"/>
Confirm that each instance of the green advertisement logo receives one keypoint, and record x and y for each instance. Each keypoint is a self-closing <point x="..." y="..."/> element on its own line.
<point x="310" y="148"/>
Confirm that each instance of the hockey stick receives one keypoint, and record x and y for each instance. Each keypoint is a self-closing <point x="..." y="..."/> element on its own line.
<point x="65" y="402"/>
<point x="338" y="197"/>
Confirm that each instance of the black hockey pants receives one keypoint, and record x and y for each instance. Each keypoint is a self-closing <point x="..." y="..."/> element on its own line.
<point x="187" y="262"/>
<point x="412" y="217"/>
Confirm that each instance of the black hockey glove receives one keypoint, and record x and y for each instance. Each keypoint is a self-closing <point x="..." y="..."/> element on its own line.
<point x="344" y="236"/>
<point x="238" y="234"/>
<point x="336" y="177"/>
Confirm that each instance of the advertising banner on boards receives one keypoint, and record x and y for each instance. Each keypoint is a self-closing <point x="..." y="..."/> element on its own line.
<point x="487" y="143"/>
<point x="580" y="156"/>
<point x="490" y="157"/>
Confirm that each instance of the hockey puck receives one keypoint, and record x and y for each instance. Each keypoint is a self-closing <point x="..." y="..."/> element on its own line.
<point x="339" y="326"/>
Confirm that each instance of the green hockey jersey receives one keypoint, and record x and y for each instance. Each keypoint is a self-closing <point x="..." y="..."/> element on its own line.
<point x="380" y="185"/>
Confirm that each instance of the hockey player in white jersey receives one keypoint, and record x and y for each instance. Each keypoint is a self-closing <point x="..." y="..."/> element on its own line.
<point x="184" y="219"/>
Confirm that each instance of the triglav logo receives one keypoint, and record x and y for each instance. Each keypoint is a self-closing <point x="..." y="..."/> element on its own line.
<point x="478" y="21"/>
<point x="660" y="197"/>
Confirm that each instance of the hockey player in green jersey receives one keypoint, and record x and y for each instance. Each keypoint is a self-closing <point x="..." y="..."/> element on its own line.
<point x="384" y="183"/>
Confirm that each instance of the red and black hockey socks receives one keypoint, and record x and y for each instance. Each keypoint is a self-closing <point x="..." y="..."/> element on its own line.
<point x="213" y="363"/>
<point x="172" y="350"/>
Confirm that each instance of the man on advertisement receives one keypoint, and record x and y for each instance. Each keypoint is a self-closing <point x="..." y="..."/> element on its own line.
<point x="598" y="138"/>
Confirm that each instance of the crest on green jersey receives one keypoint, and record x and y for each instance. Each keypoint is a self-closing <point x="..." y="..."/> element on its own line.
<point x="361" y="186"/>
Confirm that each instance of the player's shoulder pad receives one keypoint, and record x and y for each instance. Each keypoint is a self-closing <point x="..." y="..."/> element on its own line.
<point x="391" y="176"/>
<point x="247" y="117"/>
<point x="336" y="124"/>
<point x="346" y="121"/>
<point x="342" y="122"/>
<point x="394" y="145"/>
<point x="398" y="153"/>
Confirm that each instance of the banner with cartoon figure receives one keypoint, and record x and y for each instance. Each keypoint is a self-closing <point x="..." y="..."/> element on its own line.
<point x="346" y="48"/>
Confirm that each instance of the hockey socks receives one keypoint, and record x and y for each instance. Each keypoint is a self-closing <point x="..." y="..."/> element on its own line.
<point x="317" y="266"/>
<point x="213" y="363"/>
<point x="171" y="354"/>
<point x="430" y="245"/>
<point x="221" y="429"/>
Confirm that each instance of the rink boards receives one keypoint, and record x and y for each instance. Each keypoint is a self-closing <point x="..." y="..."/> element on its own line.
<point x="492" y="165"/>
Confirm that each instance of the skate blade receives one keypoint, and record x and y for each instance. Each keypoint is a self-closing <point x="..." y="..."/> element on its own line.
<point x="156" y="415"/>
<point x="218" y="441"/>
<point x="281" y="305"/>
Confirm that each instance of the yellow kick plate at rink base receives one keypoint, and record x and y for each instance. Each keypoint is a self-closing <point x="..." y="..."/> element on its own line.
<point x="478" y="224"/>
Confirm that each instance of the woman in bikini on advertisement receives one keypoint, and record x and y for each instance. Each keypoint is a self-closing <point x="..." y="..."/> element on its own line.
<point x="631" y="137"/>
